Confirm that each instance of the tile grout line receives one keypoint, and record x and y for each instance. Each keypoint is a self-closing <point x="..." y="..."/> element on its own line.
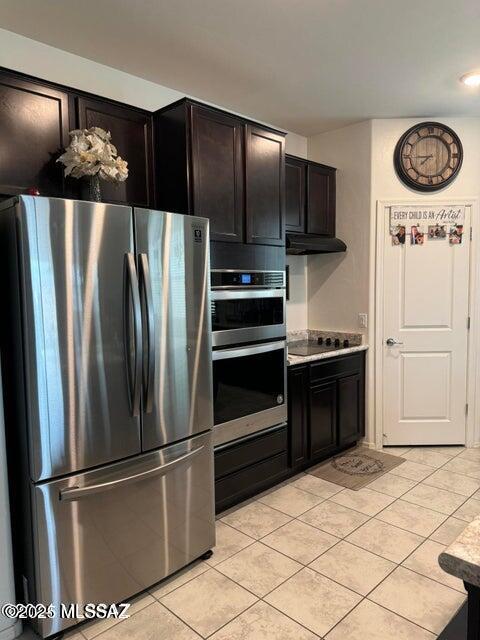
<point x="232" y="620"/>
<point x="303" y="566"/>
<point x="210" y="634"/>
<point x="366" y="597"/>
<point x="262" y="599"/>
<point x="424" y="539"/>
<point x="118" y="621"/>
<point x="397" y="565"/>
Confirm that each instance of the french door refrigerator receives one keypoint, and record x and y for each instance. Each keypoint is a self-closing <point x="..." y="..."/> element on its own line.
<point x="106" y="347"/>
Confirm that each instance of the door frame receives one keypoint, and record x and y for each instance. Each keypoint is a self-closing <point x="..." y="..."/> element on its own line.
<point x="472" y="439"/>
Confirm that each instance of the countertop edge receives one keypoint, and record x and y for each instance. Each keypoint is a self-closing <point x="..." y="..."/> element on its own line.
<point x="462" y="558"/>
<point x="296" y="360"/>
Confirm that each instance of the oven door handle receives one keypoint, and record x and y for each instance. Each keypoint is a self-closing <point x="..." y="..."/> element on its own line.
<point x="245" y="294"/>
<point x="241" y="352"/>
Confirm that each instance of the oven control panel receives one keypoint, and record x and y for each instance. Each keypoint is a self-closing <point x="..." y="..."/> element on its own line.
<point x="230" y="279"/>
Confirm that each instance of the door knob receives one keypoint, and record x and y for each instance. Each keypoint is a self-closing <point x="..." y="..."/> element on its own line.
<point x="391" y="342"/>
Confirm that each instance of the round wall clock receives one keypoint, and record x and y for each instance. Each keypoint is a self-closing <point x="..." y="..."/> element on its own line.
<point x="428" y="156"/>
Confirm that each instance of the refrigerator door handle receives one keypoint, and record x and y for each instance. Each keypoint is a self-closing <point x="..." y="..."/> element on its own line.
<point x="74" y="493"/>
<point x="149" y="369"/>
<point x="131" y="288"/>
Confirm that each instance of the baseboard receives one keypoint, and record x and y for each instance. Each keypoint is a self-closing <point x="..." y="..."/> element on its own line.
<point x="369" y="445"/>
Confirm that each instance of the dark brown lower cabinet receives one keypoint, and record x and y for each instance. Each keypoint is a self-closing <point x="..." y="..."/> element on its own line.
<point x="250" y="465"/>
<point x="298" y="415"/>
<point x="326" y="408"/>
<point x="322" y="420"/>
<point x="350" y="407"/>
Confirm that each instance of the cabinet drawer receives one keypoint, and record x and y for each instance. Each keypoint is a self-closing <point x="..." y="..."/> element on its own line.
<point x="338" y="366"/>
<point x="248" y="481"/>
<point x="249" y="451"/>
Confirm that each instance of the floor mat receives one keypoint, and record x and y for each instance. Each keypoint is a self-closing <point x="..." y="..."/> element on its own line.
<point x="356" y="468"/>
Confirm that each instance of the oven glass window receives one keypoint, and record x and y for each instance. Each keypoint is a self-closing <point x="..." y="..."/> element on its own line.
<point x="245" y="313"/>
<point x="248" y="384"/>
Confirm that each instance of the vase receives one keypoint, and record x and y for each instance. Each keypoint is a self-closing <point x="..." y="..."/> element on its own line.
<point x="94" y="191"/>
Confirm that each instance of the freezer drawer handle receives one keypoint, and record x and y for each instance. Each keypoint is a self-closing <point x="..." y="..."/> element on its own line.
<point x="134" y="378"/>
<point x="74" y="493"/>
<point x="148" y="370"/>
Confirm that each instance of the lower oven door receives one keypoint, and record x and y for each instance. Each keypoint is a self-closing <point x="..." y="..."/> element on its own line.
<point x="249" y="389"/>
<point x="110" y="533"/>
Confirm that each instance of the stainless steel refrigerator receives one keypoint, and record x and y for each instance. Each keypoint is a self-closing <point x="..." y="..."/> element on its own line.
<point x="106" y="346"/>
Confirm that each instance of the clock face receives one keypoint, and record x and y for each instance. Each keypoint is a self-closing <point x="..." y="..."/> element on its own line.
<point x="428" y="156"/>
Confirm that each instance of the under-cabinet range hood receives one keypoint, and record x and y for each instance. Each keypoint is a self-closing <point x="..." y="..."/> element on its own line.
<point x="303" y="244"/>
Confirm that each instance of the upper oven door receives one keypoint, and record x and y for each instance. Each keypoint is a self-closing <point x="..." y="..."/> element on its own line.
<point x="240" y="316"/>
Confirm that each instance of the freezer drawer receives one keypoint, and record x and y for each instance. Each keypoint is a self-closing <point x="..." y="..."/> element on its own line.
<point x="107" y="534"/>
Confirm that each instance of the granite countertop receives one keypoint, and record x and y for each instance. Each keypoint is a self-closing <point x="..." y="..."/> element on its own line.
<point x="292" y="360"/>
<point x="311" y="335"/>
<point x="462" y="558"/>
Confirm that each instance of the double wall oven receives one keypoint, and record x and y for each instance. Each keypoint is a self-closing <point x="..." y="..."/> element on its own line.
<point x="249" y="352"/>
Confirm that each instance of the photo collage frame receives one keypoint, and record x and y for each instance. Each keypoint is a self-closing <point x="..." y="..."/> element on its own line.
<point x="418" y="225"/>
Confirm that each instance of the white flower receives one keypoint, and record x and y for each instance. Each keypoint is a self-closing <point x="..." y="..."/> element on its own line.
<point x="90" y="152"/>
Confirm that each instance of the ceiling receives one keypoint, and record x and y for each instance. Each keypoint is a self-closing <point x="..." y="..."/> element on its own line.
<point x="304" y="65"/>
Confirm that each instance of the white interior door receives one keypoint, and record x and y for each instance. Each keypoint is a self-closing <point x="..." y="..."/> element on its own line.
<point x="425" y="311"/>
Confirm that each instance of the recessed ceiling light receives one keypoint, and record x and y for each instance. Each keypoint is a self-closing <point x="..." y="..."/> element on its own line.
<point x="471" y="79"/>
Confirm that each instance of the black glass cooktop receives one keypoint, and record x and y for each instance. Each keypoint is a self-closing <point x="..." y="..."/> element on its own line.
<point x="312" y="348"/>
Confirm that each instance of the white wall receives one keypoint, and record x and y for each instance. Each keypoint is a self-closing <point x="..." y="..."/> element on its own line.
<point x="49" y="63"/>
<point x="385" y="183"/>
<point x="296" y="145"/>
<point x="387" y="186"/>
<point x="338" y="286"/>
<point x="297" y="317"/>
<point x="46" y="62"/>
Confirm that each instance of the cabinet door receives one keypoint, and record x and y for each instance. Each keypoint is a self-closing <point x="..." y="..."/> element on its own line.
<point x="265" y="186"/>
<point x="298" y="414"/>
<point x="350" y="419"/>
<point x="295" y="172"/>
<point x="321" y="200"/>
<point x="131" y="131"/>
<point x="323" y="428"/>
<point x="218" y="173"/>
<point x="33" y="133"/>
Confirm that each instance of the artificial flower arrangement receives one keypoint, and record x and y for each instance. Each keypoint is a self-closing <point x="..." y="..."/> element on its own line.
<point x="91" y="154"/>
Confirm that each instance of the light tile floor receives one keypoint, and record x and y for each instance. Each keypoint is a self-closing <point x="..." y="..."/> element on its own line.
<point x="309" y="559"/>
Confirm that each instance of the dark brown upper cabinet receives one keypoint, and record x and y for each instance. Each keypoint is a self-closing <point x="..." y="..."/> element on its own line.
<point x="295" y="182"/>
<point x="33" y="132"/>
<point x="320" y="200"/>
<point x="310" y="196"/>
<point x="217" y="165"/>
<point x="131" y="131"/>
<point x="214" y="164"/>
<point x="265" y="186"/>
<point x="35" y="118"/>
